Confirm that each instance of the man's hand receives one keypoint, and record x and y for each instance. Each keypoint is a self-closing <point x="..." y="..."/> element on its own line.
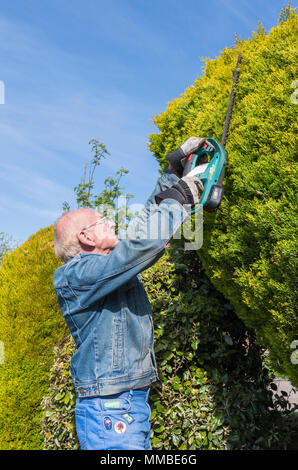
<point x="195" y="185"/>
<point x="178" y="157"/>
<point x="172" y="169"/>
<point x="186" y="191"/>
<point x="192" y="144"/>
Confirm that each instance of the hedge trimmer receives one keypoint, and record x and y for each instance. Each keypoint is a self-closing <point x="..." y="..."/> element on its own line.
<point x="209" y="162"/>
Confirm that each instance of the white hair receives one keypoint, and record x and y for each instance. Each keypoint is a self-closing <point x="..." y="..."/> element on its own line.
<point x="66" y="244"/>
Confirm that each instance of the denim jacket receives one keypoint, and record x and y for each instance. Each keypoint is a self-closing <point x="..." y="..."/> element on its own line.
<point x="106" y="307"/>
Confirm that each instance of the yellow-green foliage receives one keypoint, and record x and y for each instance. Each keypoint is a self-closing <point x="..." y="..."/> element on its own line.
<point x="212" y="393"/>
<point x="30" y="325"/>
<point x="249" y="243"/>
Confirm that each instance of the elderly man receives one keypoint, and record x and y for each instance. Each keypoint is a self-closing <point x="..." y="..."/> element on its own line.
<point x="104" y="303"/>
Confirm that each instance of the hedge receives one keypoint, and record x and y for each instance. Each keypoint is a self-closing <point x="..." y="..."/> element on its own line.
<point x="30" y="325"/>
<point x="249" y="248"/>
<point x="213" y="391"/>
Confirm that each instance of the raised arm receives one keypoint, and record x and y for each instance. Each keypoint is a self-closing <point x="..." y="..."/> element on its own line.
<point x="146" y="238"/>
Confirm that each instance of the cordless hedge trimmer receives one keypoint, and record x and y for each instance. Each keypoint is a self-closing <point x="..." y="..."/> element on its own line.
<point x="209" y="162"/>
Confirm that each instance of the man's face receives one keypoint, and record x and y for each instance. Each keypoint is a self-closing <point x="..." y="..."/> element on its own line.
<point x="104" y="233"/>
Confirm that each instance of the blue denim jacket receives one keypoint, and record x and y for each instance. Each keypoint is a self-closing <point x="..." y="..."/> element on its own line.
<point x="106" y="307"/>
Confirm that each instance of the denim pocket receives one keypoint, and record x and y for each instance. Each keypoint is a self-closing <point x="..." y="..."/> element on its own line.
<point x="81" y="426"/>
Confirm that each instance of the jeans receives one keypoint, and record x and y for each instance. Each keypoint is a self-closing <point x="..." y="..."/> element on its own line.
<point x="114" y="422"/>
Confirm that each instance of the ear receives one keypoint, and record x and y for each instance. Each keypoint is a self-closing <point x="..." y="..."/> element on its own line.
<point x="85" y="238"/>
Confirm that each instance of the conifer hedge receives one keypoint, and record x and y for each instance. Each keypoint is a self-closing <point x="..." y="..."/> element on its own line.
<point x="212" y="393"/>
<point x="30" y="325"/>
<point x="250" y="250"/>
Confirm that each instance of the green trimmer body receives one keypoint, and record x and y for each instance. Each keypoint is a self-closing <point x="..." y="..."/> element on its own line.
<point x="208" y="164"/>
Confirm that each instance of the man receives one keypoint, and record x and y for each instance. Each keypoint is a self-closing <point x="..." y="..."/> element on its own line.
<point x="105" y="306"/>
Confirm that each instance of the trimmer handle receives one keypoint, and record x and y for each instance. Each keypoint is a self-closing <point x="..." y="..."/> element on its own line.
<point x="208" y="164"/>
<point x="188" y="164"/>
<point x="207" y="148"/>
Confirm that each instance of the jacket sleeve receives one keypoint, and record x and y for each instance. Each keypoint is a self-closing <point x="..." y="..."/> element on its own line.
<point x="147" y="235"/>
<point x="166" y="181"/>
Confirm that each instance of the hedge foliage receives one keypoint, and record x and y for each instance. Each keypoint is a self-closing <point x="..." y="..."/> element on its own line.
<point x="213" y="392"/>
<point x="249" y="249"/>
<point x="30" y="325"/>
<point x="58" y="422"/>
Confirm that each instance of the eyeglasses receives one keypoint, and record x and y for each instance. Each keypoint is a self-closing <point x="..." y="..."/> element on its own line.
<point x="99" y="221"/>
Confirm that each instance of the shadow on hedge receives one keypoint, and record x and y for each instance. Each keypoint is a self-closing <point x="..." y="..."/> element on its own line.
<point x="215" y="392"/>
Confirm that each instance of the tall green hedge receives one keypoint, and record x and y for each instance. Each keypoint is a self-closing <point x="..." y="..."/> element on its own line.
<point x="30" y="325"/>
<point x="213" y="392"/>
<point x="249" y="249"/>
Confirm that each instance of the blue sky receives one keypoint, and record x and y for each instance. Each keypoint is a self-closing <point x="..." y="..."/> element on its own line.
<point x="75" y="70"/>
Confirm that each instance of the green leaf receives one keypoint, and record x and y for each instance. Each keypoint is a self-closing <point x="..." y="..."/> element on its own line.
<point x="160" y="429"/>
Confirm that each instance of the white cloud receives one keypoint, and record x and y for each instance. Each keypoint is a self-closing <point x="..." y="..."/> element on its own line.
<point x="32" y="184"/>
